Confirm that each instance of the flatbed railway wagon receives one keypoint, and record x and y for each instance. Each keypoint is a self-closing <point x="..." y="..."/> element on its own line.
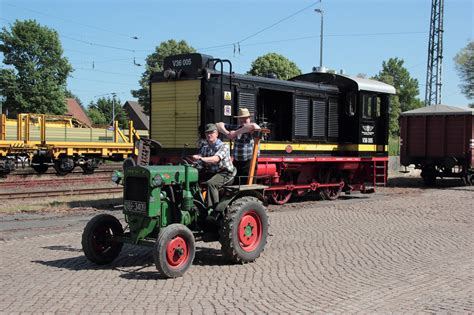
<point x="329" y="132"/>
<point x="43" y="141"/>
<point x="439" y="140"/>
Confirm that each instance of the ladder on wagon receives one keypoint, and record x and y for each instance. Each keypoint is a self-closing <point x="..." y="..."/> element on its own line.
<point x="380" y="172"/>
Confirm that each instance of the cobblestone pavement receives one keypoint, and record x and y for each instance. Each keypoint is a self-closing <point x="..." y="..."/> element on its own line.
<point x="402" y="250"/>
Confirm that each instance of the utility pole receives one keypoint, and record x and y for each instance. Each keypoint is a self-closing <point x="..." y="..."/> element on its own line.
<point x="320" y="11"/>
<point x="435" y="54"/>
<point x="113" y="107"/>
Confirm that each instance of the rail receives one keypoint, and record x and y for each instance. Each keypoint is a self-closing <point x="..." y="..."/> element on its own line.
<point x="58" y="193"/>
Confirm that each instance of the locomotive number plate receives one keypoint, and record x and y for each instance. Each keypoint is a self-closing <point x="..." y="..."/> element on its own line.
<point x="135" y="206"/>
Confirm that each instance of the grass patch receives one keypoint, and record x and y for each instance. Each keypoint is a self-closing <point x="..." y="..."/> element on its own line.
<point x="393" y="146"/>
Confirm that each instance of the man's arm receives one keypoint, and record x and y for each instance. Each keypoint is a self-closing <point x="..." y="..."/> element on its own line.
<point x="246" y="129"/>
<point x="215" y="159"/>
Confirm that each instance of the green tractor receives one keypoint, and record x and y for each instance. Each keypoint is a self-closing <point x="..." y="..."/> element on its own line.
<point x="164" y="208"/>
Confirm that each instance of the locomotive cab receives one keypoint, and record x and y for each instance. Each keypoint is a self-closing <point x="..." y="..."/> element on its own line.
<point x="364" y="113"/>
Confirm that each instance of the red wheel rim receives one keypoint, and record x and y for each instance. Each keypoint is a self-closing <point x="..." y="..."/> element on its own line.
<point x="177" y="252"/>
<point x="250" y="231"/>
<point x="281" y="197"/>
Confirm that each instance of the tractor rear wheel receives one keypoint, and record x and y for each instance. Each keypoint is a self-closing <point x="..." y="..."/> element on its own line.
<point x="174" y="251"/>
<point x="98" y="239"/>
<point x="243" y="234"/>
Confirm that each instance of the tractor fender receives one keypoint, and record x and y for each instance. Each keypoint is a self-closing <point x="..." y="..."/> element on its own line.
<point x="223" y="204"/>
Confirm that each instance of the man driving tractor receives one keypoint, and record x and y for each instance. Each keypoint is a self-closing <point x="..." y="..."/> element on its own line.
<point x="216" y="155"/>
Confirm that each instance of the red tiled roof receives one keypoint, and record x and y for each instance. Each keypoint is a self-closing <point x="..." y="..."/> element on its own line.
<point x="76" y="111"/>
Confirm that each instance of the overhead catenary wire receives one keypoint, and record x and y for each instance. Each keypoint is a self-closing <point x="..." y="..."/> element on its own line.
<point x="73" y="22"/>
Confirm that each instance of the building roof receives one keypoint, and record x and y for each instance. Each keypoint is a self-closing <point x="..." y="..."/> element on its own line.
<point x="438" y="110"/>
<point x="76" y="111"/>
<point x="141" y="121"/>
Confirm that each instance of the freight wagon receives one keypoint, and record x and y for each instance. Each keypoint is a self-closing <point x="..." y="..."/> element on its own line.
<point x="439" y="140"/>
<point x="62" y="142"/>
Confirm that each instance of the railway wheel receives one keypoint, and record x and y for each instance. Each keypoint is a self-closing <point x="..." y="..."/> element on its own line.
<point x="64" y="166"/>
<point x="90" y="166"/>
<point x="40" y="168"/>
<point x="174" y="251"/>
<point x="280" y="197"/>
<point x="98" y="239"/>
<point x="331" y="176"/>
<point x="39" y="164"/>
<point x="428" y="174"/>
<point x="243" y="234"/>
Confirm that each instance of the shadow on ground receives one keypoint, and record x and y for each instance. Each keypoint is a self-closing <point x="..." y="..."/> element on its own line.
<point x="130" y="262"/>
<point x="111" y="204"/>
<point x="417" y="182"/>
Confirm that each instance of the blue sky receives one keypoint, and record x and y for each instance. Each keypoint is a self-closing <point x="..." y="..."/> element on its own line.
<point x="359" y="35"/>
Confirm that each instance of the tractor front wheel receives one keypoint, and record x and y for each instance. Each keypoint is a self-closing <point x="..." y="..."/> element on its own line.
<point x="243" y="234"/>
<point x="98" y="241"/>
<point x="174" y="250"/>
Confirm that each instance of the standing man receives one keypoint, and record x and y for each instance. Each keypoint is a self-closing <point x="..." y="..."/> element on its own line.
<point x="242" y="134"/>
<point x="216" y="155"/>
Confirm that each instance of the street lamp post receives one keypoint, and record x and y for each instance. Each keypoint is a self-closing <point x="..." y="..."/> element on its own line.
<point x="113" y="107"/>
<point x="321" y="45"/>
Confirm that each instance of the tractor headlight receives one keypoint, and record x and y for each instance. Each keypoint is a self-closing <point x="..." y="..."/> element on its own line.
<point x="117" y="177"/>
<point x="157" y="181"/>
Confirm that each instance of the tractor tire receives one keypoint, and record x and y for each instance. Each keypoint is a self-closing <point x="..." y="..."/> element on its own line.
<point x="173" y="252"/>
<point x="96" y="239"/>
<point x="243" y="234"/>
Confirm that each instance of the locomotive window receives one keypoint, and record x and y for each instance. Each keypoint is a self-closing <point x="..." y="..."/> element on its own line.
<point x="378" y="107"/>
<point x="350" y="104"/>
<point x="367" y="106"/>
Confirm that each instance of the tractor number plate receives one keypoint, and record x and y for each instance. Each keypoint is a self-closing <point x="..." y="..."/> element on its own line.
<point x="135" y="206"/>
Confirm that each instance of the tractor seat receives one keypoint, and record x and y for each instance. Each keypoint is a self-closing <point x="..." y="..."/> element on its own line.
<point x="231" y="180"/>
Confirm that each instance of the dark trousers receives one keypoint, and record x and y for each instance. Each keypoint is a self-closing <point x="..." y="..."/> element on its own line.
<point x="243" y="170"/>
<point x="213" y="184"/>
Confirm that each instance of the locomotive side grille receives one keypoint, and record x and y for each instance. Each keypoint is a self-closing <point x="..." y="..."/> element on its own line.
<point x="247" y="100"/>
<point x="136" y="189"/>
<point x="301" y="117"/>
<point x="333" y="119"/>
<point x="319" y="119"/>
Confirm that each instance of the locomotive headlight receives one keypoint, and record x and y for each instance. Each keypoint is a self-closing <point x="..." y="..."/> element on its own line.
<point x="157" y="181"/>
<point x="117" y="177"/>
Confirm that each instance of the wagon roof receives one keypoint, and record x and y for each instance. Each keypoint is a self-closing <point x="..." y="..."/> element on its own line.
<point x="438" y="110"/>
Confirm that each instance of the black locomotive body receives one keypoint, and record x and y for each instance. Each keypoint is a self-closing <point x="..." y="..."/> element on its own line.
<point x="325" y="128"/>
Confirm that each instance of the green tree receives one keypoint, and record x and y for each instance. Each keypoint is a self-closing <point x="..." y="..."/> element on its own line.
<point x="154" y="63"/>
<point x="394" y="126"/>
<point x="407" y="87"/>
<point x="97" y="117"/>
<point x="100" y="112"/>
<point x="275" y="63"/>
<point x="36" y="80"/>
<point x="464" y="62"/>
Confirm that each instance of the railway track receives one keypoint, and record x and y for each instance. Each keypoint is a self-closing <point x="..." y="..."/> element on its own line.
<point x="58" y="193"/>
<point x="27" y="171"/>
<point x="53" y="181"/>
